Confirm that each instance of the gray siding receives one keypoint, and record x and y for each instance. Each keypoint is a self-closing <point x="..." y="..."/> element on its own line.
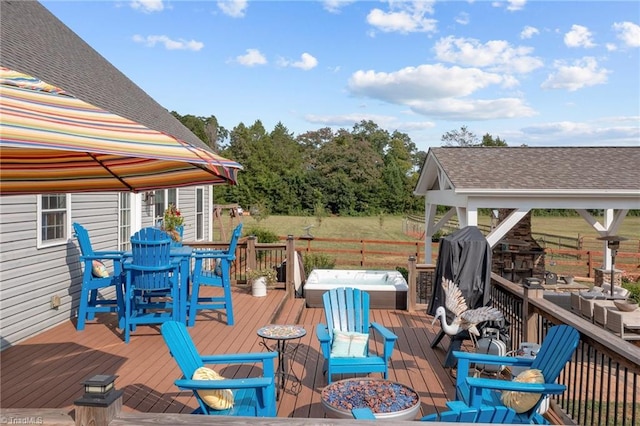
<point x="29" y="276"/>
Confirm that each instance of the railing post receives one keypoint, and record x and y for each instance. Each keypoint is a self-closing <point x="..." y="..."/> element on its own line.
<point x="412" y="279"/>
<point x="530" y="329"/>
<point x="252" y="259"/>
<point x="289" y="285"/>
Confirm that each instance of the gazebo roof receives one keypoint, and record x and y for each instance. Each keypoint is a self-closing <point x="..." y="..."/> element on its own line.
<point x="523" y="178"/>
<point x="565" y="172"/>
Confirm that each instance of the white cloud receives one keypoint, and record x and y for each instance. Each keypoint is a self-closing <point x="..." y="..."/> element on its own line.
<point x="233" y="8"/>
<point x="334" y="6"/>
<point x="306" y="62"/>
<point x="628" y="32"/>
<point x="404" y="17"/>
<point x="148" y="6"/>
<point x="598" y="132"/>
<point x="516" y="5"/>
<point x="470" y="109"/>
<point x="528" y="32"/>
<point x="437" y="90"/>
<point x="169" y="44"/>
<point x="463" y="18"/>
<point x="582" y="73"/>
<point x="579" y="36"/>
<point x="423" y="82"/>
<point x="496" y="55"/>
<point x="252" y="58"/>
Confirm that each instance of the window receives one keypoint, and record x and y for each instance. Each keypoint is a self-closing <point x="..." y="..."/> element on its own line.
<point x="53" y="219"/>
<point x="124" y="221"/>
<point x="162" y="199"/>
<point x="199" y="213"/>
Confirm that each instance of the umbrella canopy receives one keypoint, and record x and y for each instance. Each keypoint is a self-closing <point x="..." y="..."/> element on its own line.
<point x="53" y="142"/>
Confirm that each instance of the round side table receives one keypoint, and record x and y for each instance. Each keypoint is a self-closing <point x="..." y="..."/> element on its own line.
<point x="287" y="340"/>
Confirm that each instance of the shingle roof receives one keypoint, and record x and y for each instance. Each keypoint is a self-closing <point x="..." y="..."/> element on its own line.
<point x="544" y="168"/>
<point x="35" y="42"/>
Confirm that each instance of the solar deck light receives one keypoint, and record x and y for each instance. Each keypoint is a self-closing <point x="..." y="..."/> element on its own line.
<point x="613" y="244"/>
<point x="99" y="391"/>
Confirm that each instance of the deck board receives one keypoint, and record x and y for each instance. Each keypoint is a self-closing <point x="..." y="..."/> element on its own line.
<point x="46" y="371"/>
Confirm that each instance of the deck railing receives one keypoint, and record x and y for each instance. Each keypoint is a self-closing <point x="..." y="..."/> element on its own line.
<point x="602" y="379"/>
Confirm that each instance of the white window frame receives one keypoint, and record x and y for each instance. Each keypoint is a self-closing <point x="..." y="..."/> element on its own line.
<point x="125" y="215"/>
<point x="157" y="216"/>
<point x="40" y="243"/>
<point x="199" y="215"/>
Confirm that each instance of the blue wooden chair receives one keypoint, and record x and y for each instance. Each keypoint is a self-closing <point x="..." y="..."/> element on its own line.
<point x="150" y="272"/>
<point x="556" y="350"/>
<point x="494" y="415"/>
<point x="347" y="314"/>
<point x="94" y="279"/>
<point x="255" y="396"/>
<point x="213" y="268"/>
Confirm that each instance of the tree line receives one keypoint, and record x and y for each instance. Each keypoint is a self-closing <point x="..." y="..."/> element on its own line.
<point x="364" y="170"/>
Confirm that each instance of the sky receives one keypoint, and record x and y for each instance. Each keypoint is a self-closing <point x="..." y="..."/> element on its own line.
<point x="540" y="73"/>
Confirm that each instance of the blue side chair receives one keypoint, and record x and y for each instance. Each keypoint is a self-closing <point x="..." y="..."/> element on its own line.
<point x="555" y="352"/>
<point x="149" y="272"/>
<point x="347" y="311"/>
<point x="254" y="396"/>
<point x="97" y="278"/>
<point x="213" y="268"/>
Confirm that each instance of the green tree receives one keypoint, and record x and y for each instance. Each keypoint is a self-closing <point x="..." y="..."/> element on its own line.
<point x="462" y="137"/>
<point x="488" y="140"/>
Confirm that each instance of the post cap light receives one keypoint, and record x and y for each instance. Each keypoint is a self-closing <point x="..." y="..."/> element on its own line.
<point x="99" y="390"/>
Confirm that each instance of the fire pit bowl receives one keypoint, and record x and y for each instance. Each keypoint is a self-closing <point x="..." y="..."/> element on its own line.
<point x="387" y="399"/>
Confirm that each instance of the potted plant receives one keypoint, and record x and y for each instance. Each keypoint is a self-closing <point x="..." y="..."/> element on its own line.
<point x="260" y="280"/>
<point x="172" y="222"/>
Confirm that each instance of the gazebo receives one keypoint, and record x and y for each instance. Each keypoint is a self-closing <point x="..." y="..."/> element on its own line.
<point x="466" y="179"/>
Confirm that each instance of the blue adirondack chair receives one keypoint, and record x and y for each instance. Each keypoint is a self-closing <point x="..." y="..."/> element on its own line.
<point x="92" y="281"/>
<point x="255" y="396"/>
<point x="347" y="310"/>
<point x="150" y="272"/>
<point x="494" y="415"/>
<point x="556" y="350"/>
<point x="213" y="268"/>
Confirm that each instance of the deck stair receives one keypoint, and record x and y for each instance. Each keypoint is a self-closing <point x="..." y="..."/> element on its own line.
<point x="288" y="311"/>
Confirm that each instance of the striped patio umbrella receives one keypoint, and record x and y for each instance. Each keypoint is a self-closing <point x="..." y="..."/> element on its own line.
<point x="52" y="142"/>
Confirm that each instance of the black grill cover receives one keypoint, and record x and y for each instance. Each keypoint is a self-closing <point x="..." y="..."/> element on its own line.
<point x="464" y="257"/>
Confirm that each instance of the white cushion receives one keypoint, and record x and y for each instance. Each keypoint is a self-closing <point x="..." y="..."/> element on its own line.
<point x="349" y="344"/>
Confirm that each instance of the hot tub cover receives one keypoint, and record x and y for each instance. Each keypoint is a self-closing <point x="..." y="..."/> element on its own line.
<point x="464" y="257"/>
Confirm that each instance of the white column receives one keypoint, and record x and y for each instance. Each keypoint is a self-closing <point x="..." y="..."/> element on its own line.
<point x="608" y="220"/>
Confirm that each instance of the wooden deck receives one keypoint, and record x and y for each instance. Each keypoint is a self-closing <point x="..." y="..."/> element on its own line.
<point x="46" y="371"/>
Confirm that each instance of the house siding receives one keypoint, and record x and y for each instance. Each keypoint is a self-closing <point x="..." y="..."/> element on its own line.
<point x="30" y="276"/>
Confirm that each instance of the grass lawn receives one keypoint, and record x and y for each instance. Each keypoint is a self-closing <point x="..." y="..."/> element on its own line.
<point x="391" y="227"/>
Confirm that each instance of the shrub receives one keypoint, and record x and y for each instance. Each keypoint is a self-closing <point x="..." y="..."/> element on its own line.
<point x="263" y="235"/>
<point x="404" y="272"/>
<point x="634" y="290"/>
<point x="313" y="261"/>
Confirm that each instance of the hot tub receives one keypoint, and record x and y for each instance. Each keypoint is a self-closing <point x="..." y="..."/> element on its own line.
<point x="387" y="289"/>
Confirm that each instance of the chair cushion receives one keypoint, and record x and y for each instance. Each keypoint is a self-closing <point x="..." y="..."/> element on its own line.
<point x="218" y="399"/>
<point x="218" y="268"/>
<point x="99" y="270"/>
<point x="349" y="344"/>
<point x="523" y="401"/>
